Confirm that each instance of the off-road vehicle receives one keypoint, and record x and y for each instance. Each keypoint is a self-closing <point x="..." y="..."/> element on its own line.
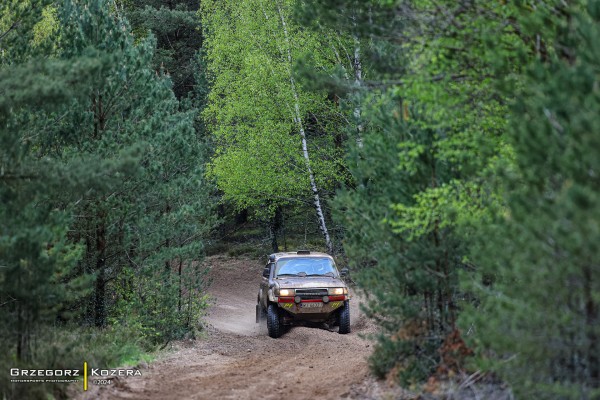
<point x="302" y="286"/>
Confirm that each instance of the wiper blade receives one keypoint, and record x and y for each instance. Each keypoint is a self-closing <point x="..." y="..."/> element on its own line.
<point x="330" y="274"/>
<point x="287" y="275"/>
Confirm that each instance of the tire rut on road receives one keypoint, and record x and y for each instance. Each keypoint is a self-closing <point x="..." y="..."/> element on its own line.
<point x="238" y="360"/>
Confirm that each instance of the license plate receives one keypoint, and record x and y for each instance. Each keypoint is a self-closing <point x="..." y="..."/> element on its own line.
<point x="312" y="305"/>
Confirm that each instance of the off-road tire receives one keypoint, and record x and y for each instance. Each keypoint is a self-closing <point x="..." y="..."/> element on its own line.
<point x="344" y="318"/>
<point x="274" y="324"/>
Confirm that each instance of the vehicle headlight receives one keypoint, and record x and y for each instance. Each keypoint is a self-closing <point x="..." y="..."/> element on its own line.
<point x="285" y="292"/>
<point x="338" y="291"/>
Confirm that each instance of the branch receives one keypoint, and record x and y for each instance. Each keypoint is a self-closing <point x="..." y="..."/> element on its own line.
<point x="13" y="26"/>
<point x="7" y="302"/>
<point x="6" y="177"/>
<point x="553" y="121"/>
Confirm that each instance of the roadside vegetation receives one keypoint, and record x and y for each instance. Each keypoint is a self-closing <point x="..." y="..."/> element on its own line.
<point x="445" y="151"/>
<point x="104" y="200"/>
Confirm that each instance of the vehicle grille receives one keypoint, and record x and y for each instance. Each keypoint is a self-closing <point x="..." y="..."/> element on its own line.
<point x="311" y="293"/>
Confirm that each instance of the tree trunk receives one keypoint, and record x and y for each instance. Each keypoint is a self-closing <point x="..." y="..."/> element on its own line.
<point x="168" y="240"/>
<point x="99" y="307"/>
<point x="298" y="121"/>
<point x="591" y="317"/>
<point x="283" y="231"/>
<point x="241" y="217"/>
<point x="274" y="227"/>
<point x="100" y="287"/>
<point x="21" y="334"/>
<point x="358" y="83"/>
<point x="273" y="235"/>
<point x="180" y="283"/>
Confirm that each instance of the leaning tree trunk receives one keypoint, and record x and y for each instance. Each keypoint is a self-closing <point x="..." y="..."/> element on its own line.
<point x="298" y="121"/>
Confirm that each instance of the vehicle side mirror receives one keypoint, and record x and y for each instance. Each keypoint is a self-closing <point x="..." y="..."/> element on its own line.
<point x="266" y="272"/>
<point x="344" y="272"/>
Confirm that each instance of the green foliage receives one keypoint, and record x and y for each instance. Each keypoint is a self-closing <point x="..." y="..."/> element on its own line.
<point x="176" y="28"/>
<point x="405" y="251"/>
<point x="38" y="260"/>
<point x="21" y="22"/>
<point x="539" y="321"/>
<point x="432" y="129"/>
<point x="472" y="158"/>
<point x="258" y="161"/>
<point x="46" y="28"/>
<point x="170" y="305"/>
<point x="101" y="182"/>
<point x="477" y="157"/>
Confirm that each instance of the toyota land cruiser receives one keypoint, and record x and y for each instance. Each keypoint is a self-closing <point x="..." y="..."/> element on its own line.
<point x="305" y="286"/>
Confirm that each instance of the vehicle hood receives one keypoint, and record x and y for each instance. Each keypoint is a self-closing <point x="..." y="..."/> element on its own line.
<point x="301" y="283"/>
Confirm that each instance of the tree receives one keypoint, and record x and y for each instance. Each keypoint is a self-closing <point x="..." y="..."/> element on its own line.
<point x="101" y="182"/>
<point x="272" y="147"/>
<point x="36" y="256"/>
<point x="539" y="321"/>
<point x="176" y="27"/>
<point x="158" y="212"/>
<point x="431" y="121"/>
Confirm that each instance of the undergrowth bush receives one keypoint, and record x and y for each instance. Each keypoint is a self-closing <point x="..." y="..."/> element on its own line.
<point x="168" y="306"/>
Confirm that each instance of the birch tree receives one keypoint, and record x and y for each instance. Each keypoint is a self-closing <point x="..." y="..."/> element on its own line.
<point x="298" y="120"/>
<point x="274" y="142"/>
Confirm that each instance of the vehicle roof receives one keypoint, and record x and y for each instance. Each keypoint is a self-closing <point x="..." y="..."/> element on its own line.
<point x="301" y="253"/>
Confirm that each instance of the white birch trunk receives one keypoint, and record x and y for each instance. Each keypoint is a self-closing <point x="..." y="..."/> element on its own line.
<point x="358" y="83"/>
<point x="298" y="121"/>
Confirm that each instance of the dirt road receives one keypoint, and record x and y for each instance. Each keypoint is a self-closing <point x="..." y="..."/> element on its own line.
<point x="239" y="361"/>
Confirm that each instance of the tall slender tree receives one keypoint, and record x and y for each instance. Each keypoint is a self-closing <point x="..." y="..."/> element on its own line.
<point x="258" y="113"/>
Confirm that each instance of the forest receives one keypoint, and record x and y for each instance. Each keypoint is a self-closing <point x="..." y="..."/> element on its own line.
<point x="444" y="151"/>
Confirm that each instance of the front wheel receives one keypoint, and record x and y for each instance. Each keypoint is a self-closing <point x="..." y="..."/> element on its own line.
<point x="274" y="324"/>
<point x="344" y="318"/>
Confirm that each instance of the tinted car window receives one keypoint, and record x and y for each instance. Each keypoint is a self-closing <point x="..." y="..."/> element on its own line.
<point x="308" y="265"/>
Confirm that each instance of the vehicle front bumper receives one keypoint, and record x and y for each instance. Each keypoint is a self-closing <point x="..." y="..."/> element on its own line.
<point x="313" y="306"/>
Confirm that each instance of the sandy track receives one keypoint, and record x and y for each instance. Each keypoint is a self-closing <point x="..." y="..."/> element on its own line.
<point x="239" y="361"/>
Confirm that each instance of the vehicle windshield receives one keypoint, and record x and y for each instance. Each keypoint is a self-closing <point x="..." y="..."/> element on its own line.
<point x="308" y="266"/>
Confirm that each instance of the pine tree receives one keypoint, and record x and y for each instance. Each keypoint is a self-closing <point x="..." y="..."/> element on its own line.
<point x="176" y="27"/>
<point x="156" y="212"/>
<point x="101" y="183"/>
<point x="37" y="259"/>
<point x="540" y="315"/>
